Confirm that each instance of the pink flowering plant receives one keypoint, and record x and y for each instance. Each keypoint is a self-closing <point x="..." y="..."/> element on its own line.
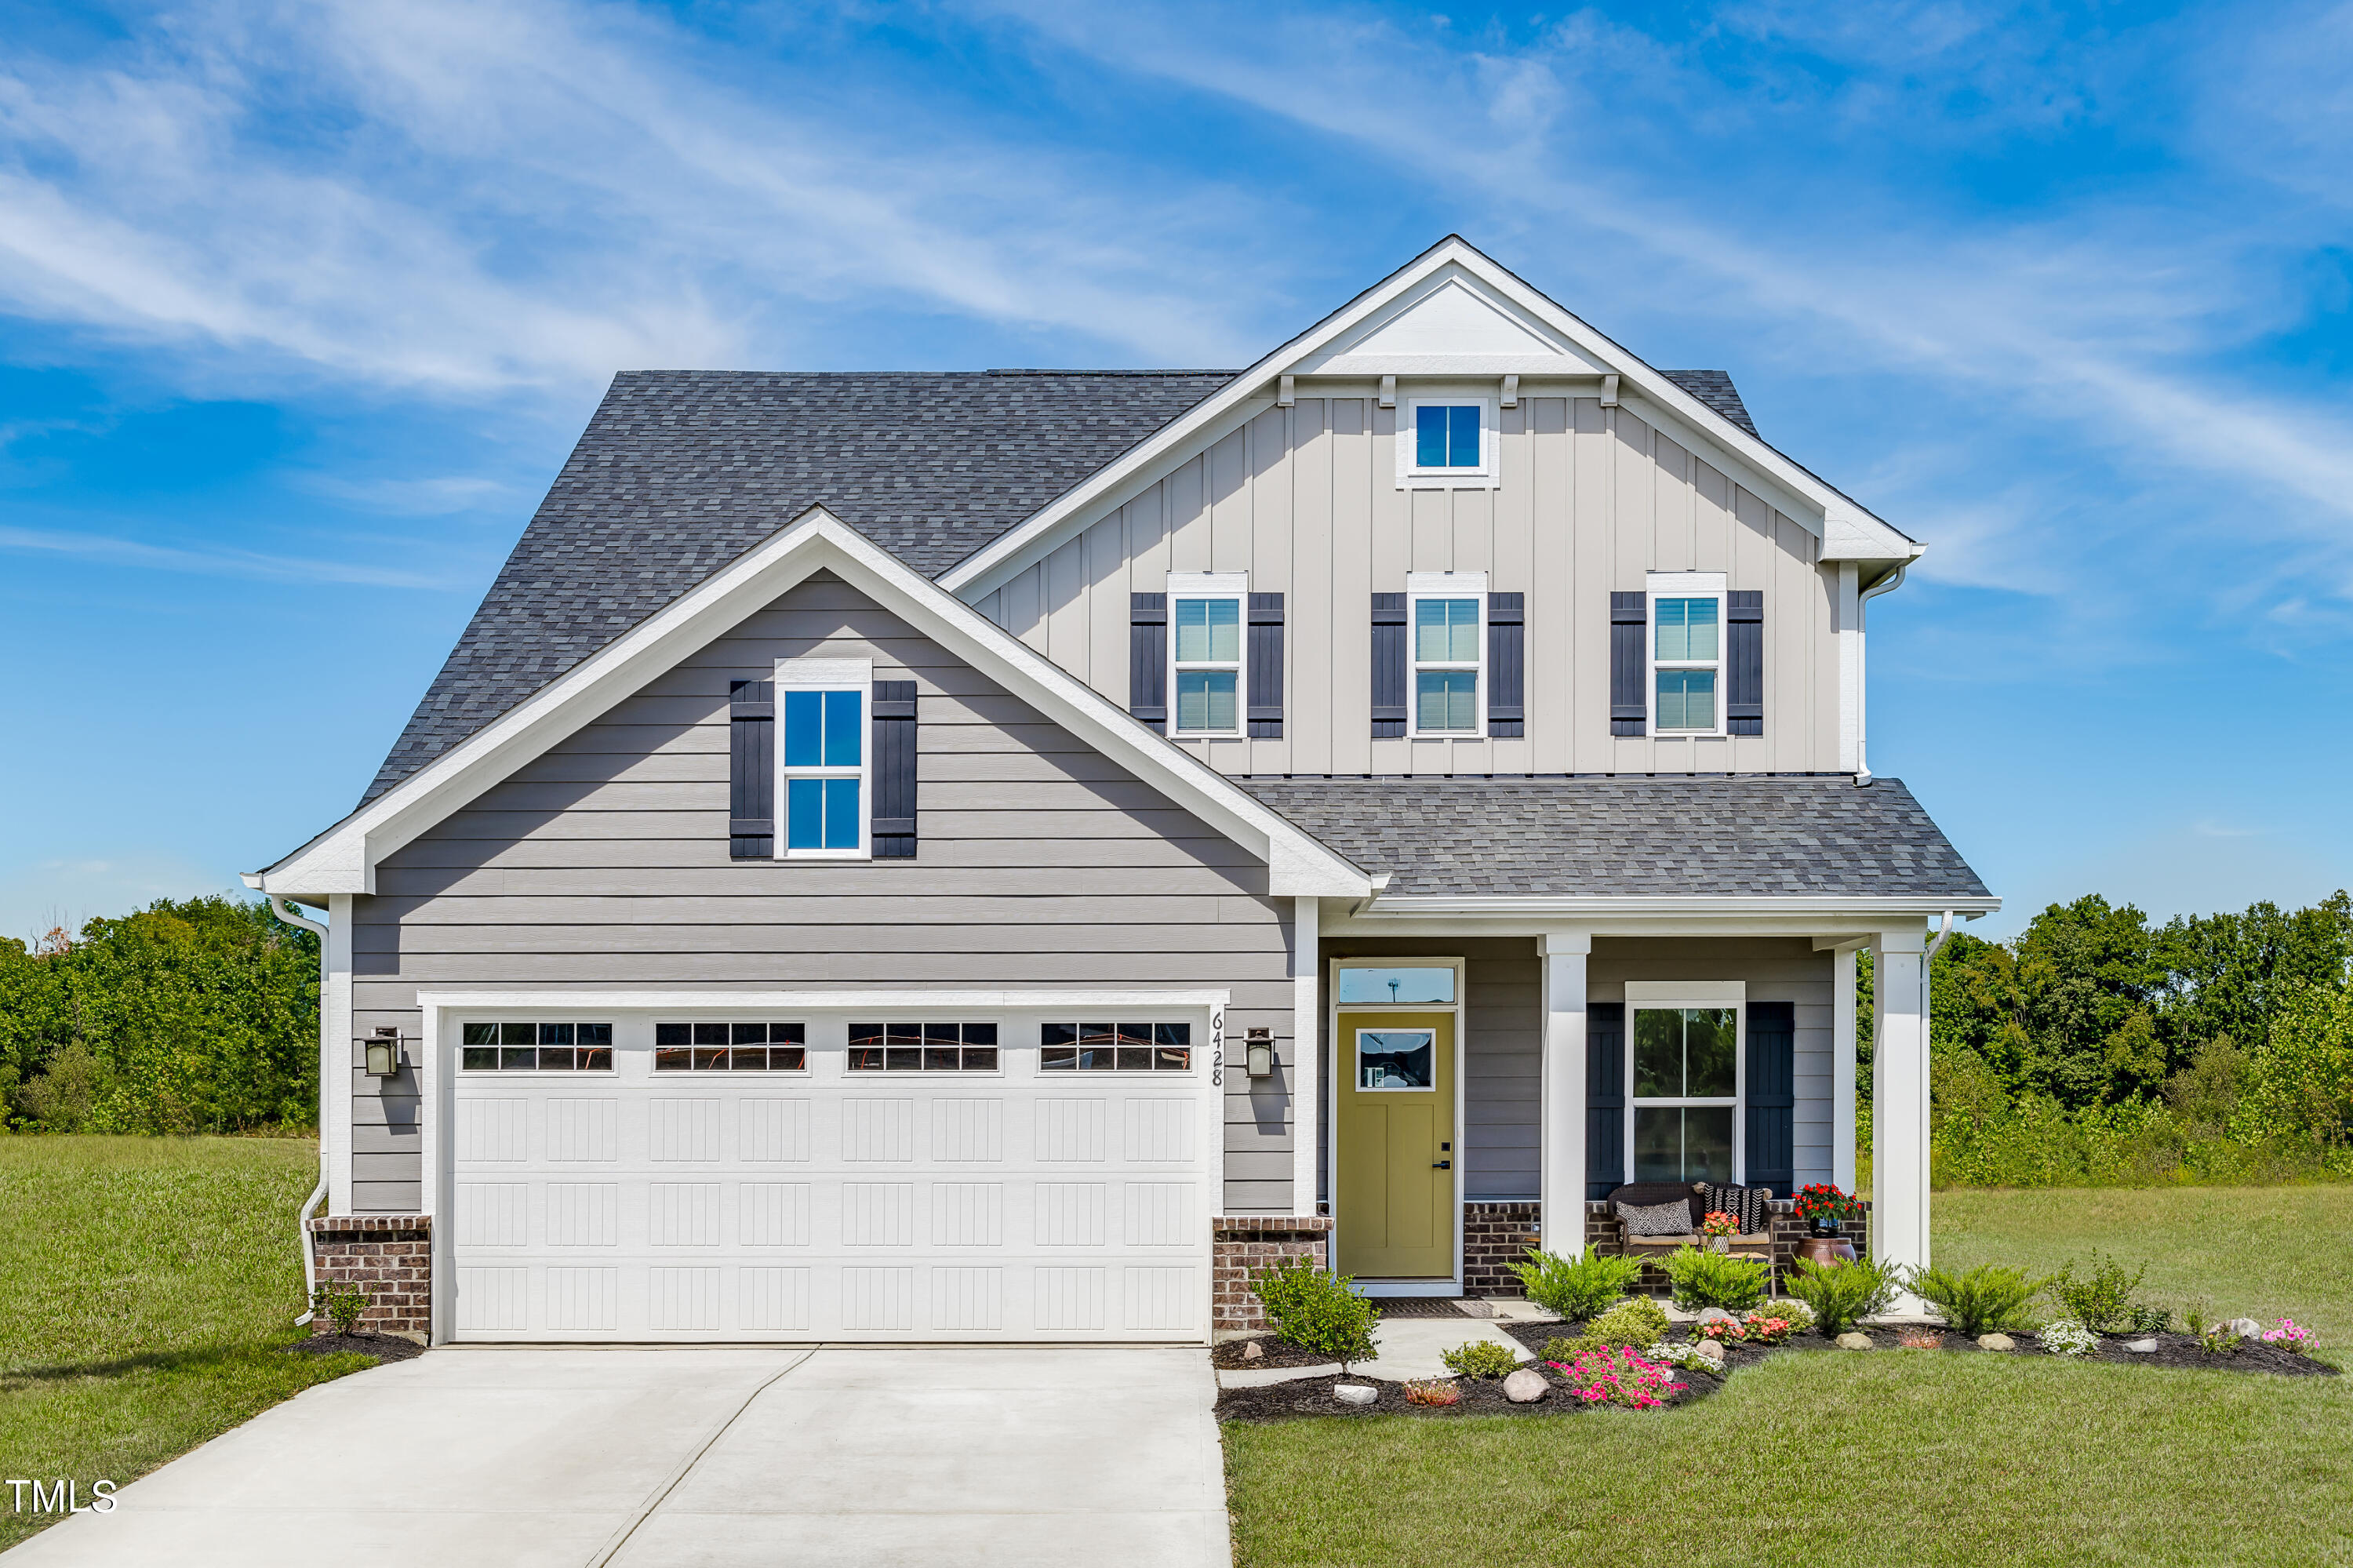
<point x="2295" y="1341"/>
<point x="1619" y="1376"/>
<point x="1758" y="1327"/>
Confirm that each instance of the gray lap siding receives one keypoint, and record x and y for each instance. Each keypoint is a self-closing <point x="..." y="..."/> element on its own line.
<point x="604" y="863"/>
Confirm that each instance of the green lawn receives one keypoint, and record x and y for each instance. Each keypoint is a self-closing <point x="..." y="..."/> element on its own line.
<point x="1889" y="1458"/>
<point x="149" y="1284"/>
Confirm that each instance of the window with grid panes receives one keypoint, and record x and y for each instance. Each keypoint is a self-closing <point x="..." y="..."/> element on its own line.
<point x="1115" y="1047"/>
<point x="922" y="1047"/>
<point x="729" y="1047"/>
<point x="535" y="1048"/>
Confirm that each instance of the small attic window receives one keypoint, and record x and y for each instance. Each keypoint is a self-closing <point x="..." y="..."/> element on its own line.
<point x="1446" y="443"/>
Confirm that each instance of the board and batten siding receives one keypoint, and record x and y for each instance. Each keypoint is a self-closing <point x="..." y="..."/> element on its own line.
<point x="1304" y="499"/>
<point x="604" y="863"/>
<point x="1502" y="1031"/>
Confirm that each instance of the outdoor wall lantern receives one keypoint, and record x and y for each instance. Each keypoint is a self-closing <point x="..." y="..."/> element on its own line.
<point x="1260" y="1044"/>
<point x="384" y="1052"/>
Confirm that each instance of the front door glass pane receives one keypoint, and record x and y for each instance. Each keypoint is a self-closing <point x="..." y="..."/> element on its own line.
<point x="1396" y="1059"/>
<point x="1396" y="987"/>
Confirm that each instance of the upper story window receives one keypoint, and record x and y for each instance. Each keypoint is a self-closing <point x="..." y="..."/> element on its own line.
<point x="1448" y="645"/>
<point x="822" y="753"/>
<point x="1445" y="443"/>
<point x="1204" y="645"/>
<point x="1687" y="652"/>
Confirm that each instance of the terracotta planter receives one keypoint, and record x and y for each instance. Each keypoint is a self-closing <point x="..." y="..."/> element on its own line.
<point x="1825" y="1251"/>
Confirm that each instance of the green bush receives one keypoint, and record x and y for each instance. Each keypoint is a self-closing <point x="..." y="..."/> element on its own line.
<point x="2101" y="1300"/>
<point x="1705" y="1279"/>
<point x="1843" y="1293"/>
<point x="1641" y="1323"/>
<point x="2145" y="1318"/>
<point x="1318" y="1310"/>
<point x="1577" y="1288"/>
<point x="1479" y="1359"/>
<point x="1987" y="1299"/>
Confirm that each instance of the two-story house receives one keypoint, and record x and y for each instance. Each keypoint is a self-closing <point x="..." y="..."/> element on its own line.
<point x="996" y="854"/>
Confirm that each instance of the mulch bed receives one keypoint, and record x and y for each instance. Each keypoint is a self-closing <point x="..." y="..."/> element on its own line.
<point x="1311" y="1397"/>
<point x="383" y="1347"/>
<point x="1228" y="1357"/>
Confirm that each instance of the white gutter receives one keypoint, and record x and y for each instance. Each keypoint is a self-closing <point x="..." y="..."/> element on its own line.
<point x="1887" y="584"/>
<point x="1602" y="906"/>
<point x="286" y="911"/>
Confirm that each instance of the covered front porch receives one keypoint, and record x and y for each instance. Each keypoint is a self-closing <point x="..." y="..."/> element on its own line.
<point x="1484" y="1084"/>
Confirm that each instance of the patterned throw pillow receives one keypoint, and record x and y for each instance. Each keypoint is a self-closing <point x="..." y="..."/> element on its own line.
<point x="1745" y="1204"/>
<point x="1656" y="1219"/>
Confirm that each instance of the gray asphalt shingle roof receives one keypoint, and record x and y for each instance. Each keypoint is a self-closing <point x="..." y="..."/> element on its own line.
<point x="680" y="472"/>
<point x="1630" y="836"/>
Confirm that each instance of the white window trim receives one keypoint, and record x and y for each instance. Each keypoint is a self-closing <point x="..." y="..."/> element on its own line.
<point x="828" y="675"/>
<point x="1660" y="995"/>
<point x="1234" y="585"/>
<point x="1684" y="585"/>
<point x="1410" y="475"/>
<point x="1420" y="586"/>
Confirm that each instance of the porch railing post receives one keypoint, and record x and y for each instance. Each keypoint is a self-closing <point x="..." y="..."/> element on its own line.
<point x="1899" y="1106"/>
<point x="1561" y="1134"/>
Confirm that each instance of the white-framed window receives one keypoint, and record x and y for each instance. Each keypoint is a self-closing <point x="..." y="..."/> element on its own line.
<point x="1397" y="1060"/>
<point x="1446" y="442"/>
<point x="824" y="748"/>
<point x="730" y="1047"/>
<point x="1446" y="628"/>
<point x="1208" y="684"/>
<point x="1115" y="1047"/>
<point x="572" y="1047"/>
<point x="1684" y="1081"/>
<point x="1687" y="652"/>
<point x="927" y="1047"/>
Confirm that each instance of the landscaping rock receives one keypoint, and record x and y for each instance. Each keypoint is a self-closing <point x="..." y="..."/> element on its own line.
<point x="2142" y="1346"/>
<point x="1996" y="1342"/>
<point x="1712" y="1352"/>
<point x="1851" y="1341"/>
<point x="1526" y="1386"/>
<point x="2245" y="1328"/>
<point x="1354" y="1394"/>
<point x="1716" y="1315"/>
<point x="1254" y="1351"/>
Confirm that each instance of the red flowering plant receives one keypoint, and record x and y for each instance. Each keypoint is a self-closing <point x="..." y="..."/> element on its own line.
<point x="1824" y="1208"/>
<point x="1619" y="1375"/>
<point x="1719" y="1225"/>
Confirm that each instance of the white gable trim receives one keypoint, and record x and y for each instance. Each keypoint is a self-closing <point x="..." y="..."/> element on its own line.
<point x="344" y="859"/>
<point x="1847" y="529"/>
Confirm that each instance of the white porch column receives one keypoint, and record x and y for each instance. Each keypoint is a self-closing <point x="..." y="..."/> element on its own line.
<point x="1843" y="1052"/>
<point x="1562" y="1131"/>
<point x="1307" y="1053"/>
<point x="1899" y="1109"/>
<point x="335" y="1063"/>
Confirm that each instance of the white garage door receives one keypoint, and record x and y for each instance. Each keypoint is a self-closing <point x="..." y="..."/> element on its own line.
<point x="764" y="1179"/>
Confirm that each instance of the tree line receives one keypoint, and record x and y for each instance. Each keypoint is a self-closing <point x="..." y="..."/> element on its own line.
<point x="198" y="1015"/>
<point x="2096" y="1046"/>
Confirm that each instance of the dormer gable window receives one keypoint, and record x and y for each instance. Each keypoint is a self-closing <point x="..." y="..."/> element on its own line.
<point x="1446" y="442"/>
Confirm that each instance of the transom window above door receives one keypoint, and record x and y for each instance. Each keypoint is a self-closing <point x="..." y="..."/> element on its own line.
<point x="1389" y="1060"/>
<point x="1686" y="1080"/>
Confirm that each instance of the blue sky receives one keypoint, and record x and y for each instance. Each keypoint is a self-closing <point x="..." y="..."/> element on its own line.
<point x="302" y="306"/>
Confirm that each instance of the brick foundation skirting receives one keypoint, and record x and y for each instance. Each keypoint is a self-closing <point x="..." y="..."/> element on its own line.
<point x="1244" y="1245"/>
<point x="1493" y="1236"/>
<point x="1606" y="1234"/>
<point x="388" y="1255"/>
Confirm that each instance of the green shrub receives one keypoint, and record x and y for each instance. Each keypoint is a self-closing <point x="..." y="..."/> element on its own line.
<point x="2146" y="1318"/>
<point x="1843" y="1293"/>
<point x="1479" y="1359"/>
<point x="1641" y="1323"/>
<point x="2100" y="1301"/>
<point x="341" y="1305"/>
<point x="1576" y="1289"/>
<point x="1318" y="1310"/>
<point x="1704" y="1279"/>
<point x="1987" y="1299"/>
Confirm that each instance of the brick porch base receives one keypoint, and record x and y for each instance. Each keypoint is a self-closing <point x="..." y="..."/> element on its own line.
<point x="388" y="1255"/>
<point x="1243" y="1245"/>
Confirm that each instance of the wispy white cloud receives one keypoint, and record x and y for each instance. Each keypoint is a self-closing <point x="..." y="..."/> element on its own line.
<point x="210" y="563"/>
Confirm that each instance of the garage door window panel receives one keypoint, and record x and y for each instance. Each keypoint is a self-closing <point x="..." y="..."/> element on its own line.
<point x="572" y="1047"/>
<point x="928" y="1047"/>
<point x="730" y="1047"/>
<point x="1115" y="1047"/>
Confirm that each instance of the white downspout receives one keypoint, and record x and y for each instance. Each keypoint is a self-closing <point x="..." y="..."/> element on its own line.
<point x="1887" y="584"/>
<point x="286" y="911"/>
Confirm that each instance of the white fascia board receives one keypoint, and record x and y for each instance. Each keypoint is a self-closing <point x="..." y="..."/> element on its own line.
<point x="344" y="859"/>
<point x="1027" y="999"/>
<point x="1783" y="483"/>
<point x="1579" y="906"/>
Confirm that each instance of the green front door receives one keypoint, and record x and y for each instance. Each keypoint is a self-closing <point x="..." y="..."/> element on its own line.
<point x="1395" y="1144"/>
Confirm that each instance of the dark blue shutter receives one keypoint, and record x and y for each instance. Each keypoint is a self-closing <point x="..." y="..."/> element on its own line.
<point x="1506" y="665"/>
<point x="1629" y="705"/>
<point x="894" y="828"/>
<point x="1389" y="666"/>
<point x="750" y="769"/>
<point x="1744" y="661"/>
<point x="1605" y="1099"/>
<point x="1263" y="673"/>
<point x="1772" y="1093"/>
<point x="1147" y="659"/>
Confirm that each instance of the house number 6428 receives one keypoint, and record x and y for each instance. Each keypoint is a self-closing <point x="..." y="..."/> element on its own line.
<point x="1217" y="1049"/>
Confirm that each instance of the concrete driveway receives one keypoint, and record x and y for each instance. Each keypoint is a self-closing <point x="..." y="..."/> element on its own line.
<point x="640" y="1457"/>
